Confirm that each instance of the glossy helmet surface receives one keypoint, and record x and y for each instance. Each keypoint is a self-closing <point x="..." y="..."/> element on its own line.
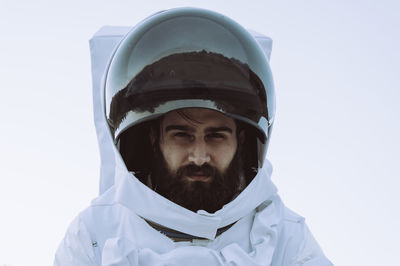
<point x="190" y="57"/>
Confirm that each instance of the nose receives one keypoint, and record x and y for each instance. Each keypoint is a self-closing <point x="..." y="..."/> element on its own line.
<point x="199" y="154"/>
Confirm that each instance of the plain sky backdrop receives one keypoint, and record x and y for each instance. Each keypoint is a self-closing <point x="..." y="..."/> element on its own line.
<point x="335" y="144"/>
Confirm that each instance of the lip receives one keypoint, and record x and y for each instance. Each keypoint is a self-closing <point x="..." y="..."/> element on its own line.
<point x="202" y="178"/>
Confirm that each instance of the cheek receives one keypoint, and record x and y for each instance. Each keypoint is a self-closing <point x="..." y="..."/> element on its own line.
<point x="173" y="156"/>
<point x="224" y="156"/>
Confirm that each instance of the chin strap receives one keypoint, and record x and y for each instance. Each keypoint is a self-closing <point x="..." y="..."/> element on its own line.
<point x="177" y="236"/>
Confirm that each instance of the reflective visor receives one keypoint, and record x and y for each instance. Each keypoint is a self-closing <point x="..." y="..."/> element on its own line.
<point x="229" y="84"/>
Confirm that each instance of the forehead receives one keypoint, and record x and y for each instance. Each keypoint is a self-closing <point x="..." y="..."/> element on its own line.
<point x="197" y="117"/>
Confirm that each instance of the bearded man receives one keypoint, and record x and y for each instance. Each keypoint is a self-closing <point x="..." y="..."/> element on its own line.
<point x="189" y="108"/>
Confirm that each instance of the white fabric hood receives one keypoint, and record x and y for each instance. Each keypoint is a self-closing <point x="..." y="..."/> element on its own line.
<point x="113" y="230"/>
<point x="118" y="185"/>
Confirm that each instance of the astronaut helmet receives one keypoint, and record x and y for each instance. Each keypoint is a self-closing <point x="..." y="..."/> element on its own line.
<point x="185" y="58"/>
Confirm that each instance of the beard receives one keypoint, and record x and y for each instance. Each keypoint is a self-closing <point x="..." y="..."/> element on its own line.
<point x="196" y="195"/>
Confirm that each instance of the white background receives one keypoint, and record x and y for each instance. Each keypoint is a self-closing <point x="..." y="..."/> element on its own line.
<point x="335" y="145"/>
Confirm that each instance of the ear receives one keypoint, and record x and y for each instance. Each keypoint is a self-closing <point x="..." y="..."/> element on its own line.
<point x="241" y="136"/>
<point x="152" y="136"/>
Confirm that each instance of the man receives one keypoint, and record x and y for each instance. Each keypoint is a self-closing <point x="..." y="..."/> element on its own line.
<point x="189" y="102"/>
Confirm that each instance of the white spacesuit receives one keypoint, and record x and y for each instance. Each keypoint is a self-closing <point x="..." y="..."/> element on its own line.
<point x="130" y="223"/>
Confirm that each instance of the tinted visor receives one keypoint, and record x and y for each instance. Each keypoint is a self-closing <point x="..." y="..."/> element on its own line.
<point x="229" y="84"/>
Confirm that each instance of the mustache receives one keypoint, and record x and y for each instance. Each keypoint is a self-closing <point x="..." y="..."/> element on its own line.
<point x="192" y="169"/>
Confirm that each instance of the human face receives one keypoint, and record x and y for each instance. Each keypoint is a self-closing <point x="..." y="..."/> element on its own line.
<point x="197" y="161"/>
<point x="197" y="136"/>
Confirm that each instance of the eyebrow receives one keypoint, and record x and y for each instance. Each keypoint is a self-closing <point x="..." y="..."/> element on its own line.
<point x="179" y="127"/>
<point x="218" y="129"/>
<point x="191" y="129"/>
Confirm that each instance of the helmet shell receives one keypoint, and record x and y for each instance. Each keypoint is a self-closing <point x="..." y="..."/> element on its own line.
<point x="157" y="68"/>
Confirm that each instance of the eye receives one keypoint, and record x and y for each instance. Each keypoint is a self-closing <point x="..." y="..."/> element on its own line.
<point x="181" y="135"/>
<point x="216" y="136"/>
